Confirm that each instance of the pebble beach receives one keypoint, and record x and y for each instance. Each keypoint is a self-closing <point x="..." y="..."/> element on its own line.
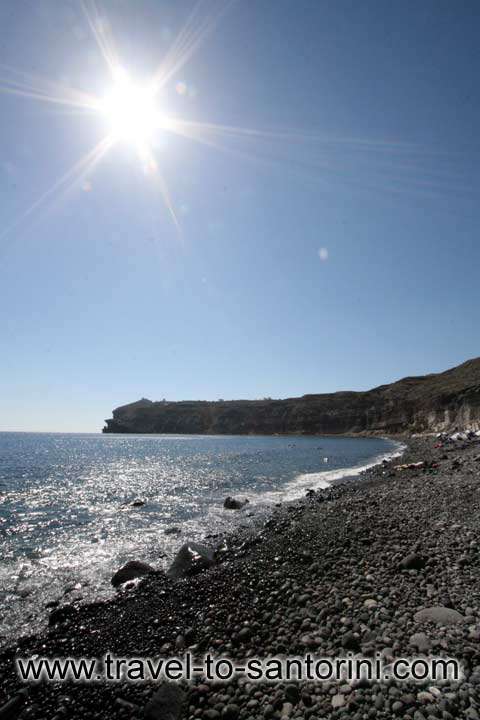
<point x="387" y="563"/>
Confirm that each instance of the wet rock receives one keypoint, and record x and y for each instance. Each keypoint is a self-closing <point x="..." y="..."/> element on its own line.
<point x="172" y="530"/>
<point x="11" y="709"/>
<point x="166" y="703"/>
<point x="231" y="503"/>
<point x="52" y="604"/>
<point x="292" y="693"/>
<point x="439" y="615"/>
<point x="62" y="614"/>
<point x="138" y="503"/>
<point x="306" y="557"/>
<point x="131" y="570"/>
<point x="413" y="562"/>
<point x="191" y="559"/>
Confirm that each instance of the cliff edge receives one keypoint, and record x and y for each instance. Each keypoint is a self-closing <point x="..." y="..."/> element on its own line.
<point x="430" y="403"/>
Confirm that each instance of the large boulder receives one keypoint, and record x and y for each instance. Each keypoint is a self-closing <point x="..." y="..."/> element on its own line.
<point x="439" y="615"/>
<point x="192" y="558"/>
<point x="131" y="570"/>
<point x="231" y="503"/>
<point x="166" y="703"/>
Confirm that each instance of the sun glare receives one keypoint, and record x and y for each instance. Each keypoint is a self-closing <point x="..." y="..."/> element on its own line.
<point x="131" y="110"/>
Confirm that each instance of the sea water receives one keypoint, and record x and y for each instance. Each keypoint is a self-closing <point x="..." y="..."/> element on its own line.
<point x="67" y="519"/>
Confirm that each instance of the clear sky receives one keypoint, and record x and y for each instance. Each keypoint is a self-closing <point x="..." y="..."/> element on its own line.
<point x="322" y="162"/>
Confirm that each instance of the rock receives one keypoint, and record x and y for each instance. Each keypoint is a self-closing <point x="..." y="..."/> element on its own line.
<point x="292" y="693"/>
<point x="172" y="530"/>
<point x="350" y="642"/>
<point x="11" y="709"/>
<point x="471" y="714"/>
<point x="439" y="615"/>
<point x="131" y="570"/>
<point x="125" y="704"/>
<point x="425" y="697"/>
<point x="61" y="614"/>
<point x="474" y="633"/>
<point x="191" y="559"/>
<point x="138" y="503"/>
<point x="417" y="715"/>
<point x="231" y="503"/>
<point x="189" y="635"/>
<point x="211" y="714"/>
<point x="421" y="642"/>
<point x="412" y="562"/>
<point x="244" y="634"/>
<point x="230" y="712"/>
<point x="52" y="604"/>
<point x="306" y="557"/>
<point x="166" y="703"/>
<point x="370" y="603"/>
<point x="338" y="701"/>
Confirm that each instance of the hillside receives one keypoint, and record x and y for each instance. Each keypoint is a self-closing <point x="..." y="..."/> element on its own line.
<point x="433" y="402"/>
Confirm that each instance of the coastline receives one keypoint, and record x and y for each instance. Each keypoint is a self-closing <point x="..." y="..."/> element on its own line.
<point x="80" y="568"/>
<point x="340" y="475"/>
<point x="300" y="582"/>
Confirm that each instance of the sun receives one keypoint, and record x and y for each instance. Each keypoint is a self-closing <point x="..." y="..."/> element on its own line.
<point x="131" y="110"/>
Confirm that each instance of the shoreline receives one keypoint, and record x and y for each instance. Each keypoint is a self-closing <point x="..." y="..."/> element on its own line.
<point x="300" y="581"/>
<point x="29" y="615"/>
<point x="357" y="471"/>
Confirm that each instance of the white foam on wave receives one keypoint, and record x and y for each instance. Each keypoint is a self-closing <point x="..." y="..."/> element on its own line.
<point x="297" y="487"/>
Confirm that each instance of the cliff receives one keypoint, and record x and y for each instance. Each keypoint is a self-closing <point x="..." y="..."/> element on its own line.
<point x="428" y="403"/>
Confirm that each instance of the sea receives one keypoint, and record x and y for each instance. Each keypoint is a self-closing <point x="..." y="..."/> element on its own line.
<point x="70" y="512"/>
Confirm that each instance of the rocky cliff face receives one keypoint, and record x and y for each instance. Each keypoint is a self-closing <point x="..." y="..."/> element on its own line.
<point x="430" y="403"/>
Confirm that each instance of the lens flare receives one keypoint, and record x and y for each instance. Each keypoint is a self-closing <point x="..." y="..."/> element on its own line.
<point x="131" y="110"/>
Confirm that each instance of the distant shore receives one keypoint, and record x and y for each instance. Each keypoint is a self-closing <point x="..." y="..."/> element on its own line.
<point x="427" y="403"/>
<point x="401" y="539"/>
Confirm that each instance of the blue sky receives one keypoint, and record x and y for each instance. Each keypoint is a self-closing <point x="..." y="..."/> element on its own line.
<point x="334" y="248"/>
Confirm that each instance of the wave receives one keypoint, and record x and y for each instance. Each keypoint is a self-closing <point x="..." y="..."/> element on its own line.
<point x="321" y="480"/>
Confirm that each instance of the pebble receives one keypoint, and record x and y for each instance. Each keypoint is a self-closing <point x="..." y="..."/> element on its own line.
<point x="338" y="701"/>
<point x="421" y="642"/>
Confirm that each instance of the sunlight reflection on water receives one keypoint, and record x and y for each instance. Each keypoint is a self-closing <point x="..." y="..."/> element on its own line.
<point x="66" y="516"/>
